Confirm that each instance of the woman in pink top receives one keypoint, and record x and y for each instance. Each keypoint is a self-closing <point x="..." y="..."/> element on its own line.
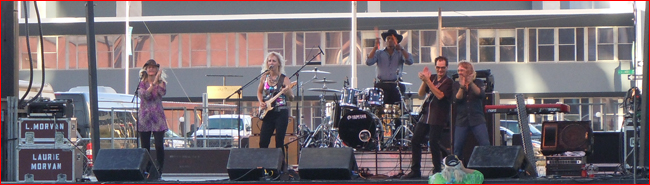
<point x="272" y="83"/>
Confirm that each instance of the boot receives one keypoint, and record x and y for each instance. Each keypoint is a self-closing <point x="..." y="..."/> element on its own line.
<point x="414" y="174"/>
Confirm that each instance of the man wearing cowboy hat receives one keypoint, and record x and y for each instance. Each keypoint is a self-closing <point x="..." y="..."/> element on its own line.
<point x="390" y="63"/>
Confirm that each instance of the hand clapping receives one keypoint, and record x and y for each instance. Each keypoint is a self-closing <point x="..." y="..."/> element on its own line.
<point x="425" y="74"/>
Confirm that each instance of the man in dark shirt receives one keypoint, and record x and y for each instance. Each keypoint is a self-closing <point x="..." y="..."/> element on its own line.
<point x="433" y="116"/>
<point x="469" y="93"/>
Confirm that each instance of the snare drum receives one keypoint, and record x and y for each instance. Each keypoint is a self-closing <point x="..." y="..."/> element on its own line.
<point x="349" y="98"/>
<point x="374" y="97"/>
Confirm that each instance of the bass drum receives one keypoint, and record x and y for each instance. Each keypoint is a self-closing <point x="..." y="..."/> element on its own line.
<point x="358" y="129"/>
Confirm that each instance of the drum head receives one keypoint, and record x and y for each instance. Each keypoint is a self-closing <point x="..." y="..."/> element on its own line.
<point x="357" y="129"/>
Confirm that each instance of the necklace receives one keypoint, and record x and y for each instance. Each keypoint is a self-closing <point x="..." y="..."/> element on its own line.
<point x="272" y="80"/>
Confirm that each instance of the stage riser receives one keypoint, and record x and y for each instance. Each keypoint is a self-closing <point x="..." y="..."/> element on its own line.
<point x="389" y="162"/>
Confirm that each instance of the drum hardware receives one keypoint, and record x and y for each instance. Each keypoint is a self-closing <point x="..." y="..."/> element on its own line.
<point x="302" y="127"/>
<point x="324" y="129"/>
<point x="406" y="83"/>
<point x="324" y="81"/>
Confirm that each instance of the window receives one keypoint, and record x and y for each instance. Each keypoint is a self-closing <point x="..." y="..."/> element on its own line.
<point x="625" y="38"/>
<point x="428" y="46"/>
<point x="307" y="47"/>
<point x="332" y="49"/>
<point x="545" y="45"/>
<point x="486" y="45"/>
<point x="507" y="47"/>
<point x="605" y="43"/>
<point x="450" y="45"/>
<point x="141" y="50"/>
<point x="198" y="50"/>
<point x="566" y="41"/>
<point x="281" y="43"/>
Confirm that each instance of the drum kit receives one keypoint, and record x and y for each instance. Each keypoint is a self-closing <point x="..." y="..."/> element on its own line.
<point x="359" y="119"/>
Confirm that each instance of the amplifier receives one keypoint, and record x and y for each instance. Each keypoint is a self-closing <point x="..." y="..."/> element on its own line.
<point x="56" y="108"/>
<point x="43" y="164"/>
<point x="565" y="165"/>
<point x="47" y="130"/>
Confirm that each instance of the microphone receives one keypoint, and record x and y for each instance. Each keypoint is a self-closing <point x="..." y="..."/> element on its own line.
<point x="321" y="50"/>
<point x="270" y="67"/>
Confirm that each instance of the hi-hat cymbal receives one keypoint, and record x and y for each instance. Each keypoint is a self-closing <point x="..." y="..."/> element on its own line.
<point x="324" y="81"/>
<point x="315" y="71"/>
<point x="324" y="90"/>
<point x="406" y="83"/>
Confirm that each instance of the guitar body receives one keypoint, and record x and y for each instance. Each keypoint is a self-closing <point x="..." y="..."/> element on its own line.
<point x="269" y="103"/>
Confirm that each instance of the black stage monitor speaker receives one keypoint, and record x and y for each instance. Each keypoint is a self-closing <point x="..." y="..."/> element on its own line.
<point x="245" y="164"/>
<point x="499" y="161"/>
<point x="327" y="163"/>
<point x="562" y="136"/>
<point x="609" y="148"/>
<point x="124" y="165"/>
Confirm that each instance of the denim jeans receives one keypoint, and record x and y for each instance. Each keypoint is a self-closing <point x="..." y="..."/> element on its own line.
<point x="460" y="135"/>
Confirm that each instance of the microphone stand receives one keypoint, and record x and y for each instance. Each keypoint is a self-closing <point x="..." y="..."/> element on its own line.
<point x="298" y="115"/>
<point x="239" y="91"/>
<point x="136" y="98"/>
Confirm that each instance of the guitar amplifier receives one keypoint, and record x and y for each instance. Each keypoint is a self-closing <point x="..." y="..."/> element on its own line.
<point x="59" y="108"/>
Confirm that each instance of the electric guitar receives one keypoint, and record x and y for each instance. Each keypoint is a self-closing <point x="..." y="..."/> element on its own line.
<point x="424" y="107"/>
<point x="270" y="101"/>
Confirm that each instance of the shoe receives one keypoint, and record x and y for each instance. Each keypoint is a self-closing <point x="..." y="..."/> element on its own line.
<point x="412" y="175"/>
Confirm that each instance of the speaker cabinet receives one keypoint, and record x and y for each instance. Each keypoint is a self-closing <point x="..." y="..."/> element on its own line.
<point x="245" y="164"/>
<point x="327" y="163"/>
<point x="562" y="136"/>
<point x="124" y="165"/>
<point x="609" y="148"/>
<point x="293" y="144"/>
<point x="499" y="161"/>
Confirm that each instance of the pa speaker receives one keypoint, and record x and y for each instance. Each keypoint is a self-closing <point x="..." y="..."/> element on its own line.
<point x="562" y="136"/>
<point x="498" y="161"/>
<point x="327" y="163"/>
<point x="246" y="164"/>
<point x="124" y="165"/>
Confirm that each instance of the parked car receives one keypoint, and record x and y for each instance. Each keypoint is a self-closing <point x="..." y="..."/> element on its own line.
<point x="173" y="140"/>
<point x="508" y="134"/>
<point x="221" y="131"/>
<point x="513" y="126"/>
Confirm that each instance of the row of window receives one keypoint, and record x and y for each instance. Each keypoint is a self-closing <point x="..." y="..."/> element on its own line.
<point x="248" y="49"/>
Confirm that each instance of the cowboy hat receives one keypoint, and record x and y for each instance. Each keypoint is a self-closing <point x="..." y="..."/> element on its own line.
<point x="151" y="62"/>
<point x="392" y="32"/>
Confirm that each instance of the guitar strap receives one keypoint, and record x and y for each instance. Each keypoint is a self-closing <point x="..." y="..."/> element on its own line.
<point x="278" y="87"/>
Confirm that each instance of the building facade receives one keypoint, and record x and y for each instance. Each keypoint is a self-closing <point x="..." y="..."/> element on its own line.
<point x="552" y="52"/>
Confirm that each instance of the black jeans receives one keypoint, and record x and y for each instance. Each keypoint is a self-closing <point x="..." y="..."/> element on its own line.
<point x="278" y="121"/>
<point x="145" y="140"/>
<point x="435" y="133"/>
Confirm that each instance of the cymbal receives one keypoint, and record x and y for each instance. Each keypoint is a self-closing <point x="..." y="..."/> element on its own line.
<point x="315" y="71"/>
<point x="324" y="81"/>
<point x="406" y="83"/>
<point x="324" y="90"/>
